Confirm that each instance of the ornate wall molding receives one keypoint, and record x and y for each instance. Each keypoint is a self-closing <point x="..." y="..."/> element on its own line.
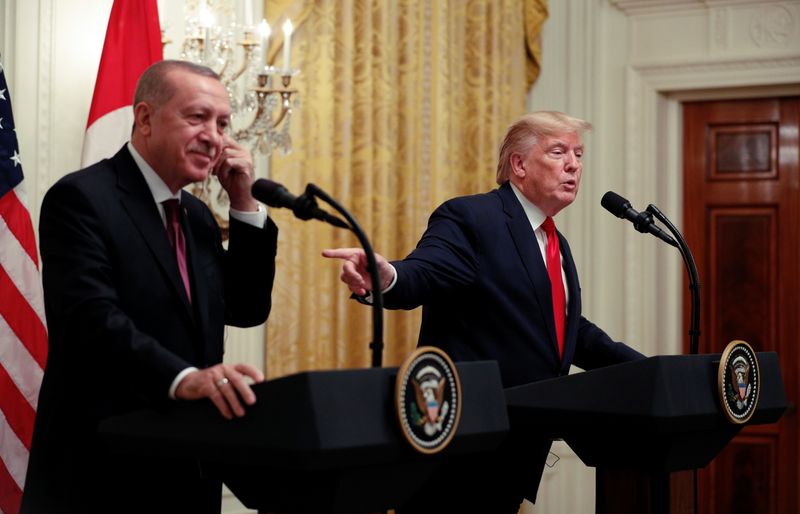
<point x="45" y="113"/>
<point x="7" y="41"/>
<point x="635" y="7"/>
<point x="719" y="29"/>
<point x="773" y="26"/>
<point x="753" y="67"/>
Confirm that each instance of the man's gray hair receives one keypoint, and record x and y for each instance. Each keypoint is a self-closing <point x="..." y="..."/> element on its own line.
<point x="154" y="86"/>
<point x="528" y="130"/>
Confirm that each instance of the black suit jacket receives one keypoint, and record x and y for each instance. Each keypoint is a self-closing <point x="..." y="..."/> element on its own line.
<point x="121" y="328"/>
<point x="483" y="284"/>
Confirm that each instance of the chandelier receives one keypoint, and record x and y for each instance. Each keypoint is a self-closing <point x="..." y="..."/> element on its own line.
<point x="260" y="92"/>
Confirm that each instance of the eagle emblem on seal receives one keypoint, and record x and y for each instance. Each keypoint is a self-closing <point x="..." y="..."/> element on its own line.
<point x="429" y="386"/>
<point x="740" y="381"/>
<point x="428" y="399"/>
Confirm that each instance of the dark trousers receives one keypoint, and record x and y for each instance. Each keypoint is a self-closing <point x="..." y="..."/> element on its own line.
<point x="123" y="484"/>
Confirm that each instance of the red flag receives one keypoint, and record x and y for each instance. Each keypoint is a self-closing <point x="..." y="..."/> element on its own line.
<point x="133" y="42"/>
<point x="23" y="335"/>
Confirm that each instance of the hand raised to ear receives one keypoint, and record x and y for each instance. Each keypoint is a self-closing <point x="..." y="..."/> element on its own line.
<point x="234" y="169"/>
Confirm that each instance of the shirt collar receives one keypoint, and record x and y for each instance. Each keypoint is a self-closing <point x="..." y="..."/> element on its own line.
<point x="535" y="215"/>
<point x="157" y="187"/>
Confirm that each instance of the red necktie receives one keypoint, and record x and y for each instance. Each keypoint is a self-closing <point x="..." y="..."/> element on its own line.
<point x="556" y="284"/>
<point x="176" y="239"/>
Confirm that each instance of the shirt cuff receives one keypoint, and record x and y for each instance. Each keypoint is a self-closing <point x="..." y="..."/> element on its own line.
<point x="177" y="381"/>
<point x="256" y="219"/>
<point x="368" y="298"/>
<point x="393" y="282"/>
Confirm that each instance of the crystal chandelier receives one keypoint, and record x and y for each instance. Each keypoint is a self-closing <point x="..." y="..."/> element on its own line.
<point x="260" y="93"/>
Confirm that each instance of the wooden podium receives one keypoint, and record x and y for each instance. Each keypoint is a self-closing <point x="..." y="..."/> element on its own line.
<point x="639" y="422"/>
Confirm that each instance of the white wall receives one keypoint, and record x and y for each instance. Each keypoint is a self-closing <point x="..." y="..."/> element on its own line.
<point x="625" y="65"/>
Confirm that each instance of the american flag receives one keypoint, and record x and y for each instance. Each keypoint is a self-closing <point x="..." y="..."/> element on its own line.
<point x="23" y="334"/>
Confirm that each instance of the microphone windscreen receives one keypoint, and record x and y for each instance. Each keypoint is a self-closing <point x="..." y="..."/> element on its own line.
<point x="615" y="204"/>
<point x="269" y="192"/>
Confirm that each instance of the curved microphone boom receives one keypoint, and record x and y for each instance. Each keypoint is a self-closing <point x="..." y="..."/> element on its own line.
<point x="372" y="266"/>
<point x="642" y="221"/>
<point x="303" y="206"/>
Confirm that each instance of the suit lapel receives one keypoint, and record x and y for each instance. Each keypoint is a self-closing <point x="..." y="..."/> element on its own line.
<point x="138" y="202"/>
<point x="528" y="249"/>
<point x="574" y="305"/>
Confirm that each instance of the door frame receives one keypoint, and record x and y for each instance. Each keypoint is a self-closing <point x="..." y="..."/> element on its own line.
<point x="653" y="170"/>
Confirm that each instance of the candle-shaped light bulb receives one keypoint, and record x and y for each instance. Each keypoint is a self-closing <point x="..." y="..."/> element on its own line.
<point x="163" y="24"/>
<point x="206" y="19"/>
<point x="248" y="13"/>
<point x="287" y="43"/>
<point x="264" y="31"/>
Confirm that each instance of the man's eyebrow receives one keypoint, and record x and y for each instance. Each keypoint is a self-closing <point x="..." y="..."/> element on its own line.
<point x="565" y="144"/>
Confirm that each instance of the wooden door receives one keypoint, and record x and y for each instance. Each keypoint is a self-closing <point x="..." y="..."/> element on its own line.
<point x="742" y="222"/>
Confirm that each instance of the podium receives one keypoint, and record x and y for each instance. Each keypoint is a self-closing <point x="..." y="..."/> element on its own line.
<point x="323" y="441"/>
<point x="641" y="419"/>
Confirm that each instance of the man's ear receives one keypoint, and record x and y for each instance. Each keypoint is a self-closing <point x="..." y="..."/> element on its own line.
<point x="142" y="118"/>
<point x="517" y="165"/>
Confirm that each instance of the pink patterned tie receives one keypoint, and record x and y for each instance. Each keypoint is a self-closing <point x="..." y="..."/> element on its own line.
<point x="176" y="239"/>
<point x="556" y="284"/>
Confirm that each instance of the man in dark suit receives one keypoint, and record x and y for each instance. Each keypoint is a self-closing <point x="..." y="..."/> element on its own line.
<point x="496" y="281"/>
<point x="138" y="290"/>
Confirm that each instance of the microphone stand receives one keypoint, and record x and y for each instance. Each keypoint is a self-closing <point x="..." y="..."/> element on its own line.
<point x="377" y="298"/>
<point x="694" y="288"/>
<point x="694" y="280"/>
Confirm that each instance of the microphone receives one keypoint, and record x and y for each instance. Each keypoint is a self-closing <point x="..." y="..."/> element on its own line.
<point x="303" y="206"/>
<point x="642" y="221"/>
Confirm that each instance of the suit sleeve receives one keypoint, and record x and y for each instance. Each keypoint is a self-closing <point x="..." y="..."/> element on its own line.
<point x="445" y="259"/>
<point x="595" y="349"/>
<point x="249" y="273"/>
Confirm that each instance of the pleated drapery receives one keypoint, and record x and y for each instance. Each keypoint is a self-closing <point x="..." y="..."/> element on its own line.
<point x="402" y="105"/>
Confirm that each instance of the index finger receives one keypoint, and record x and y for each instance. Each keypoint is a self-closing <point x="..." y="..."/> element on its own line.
<point x="251" y="371"/>
<point x="342" y="253"/>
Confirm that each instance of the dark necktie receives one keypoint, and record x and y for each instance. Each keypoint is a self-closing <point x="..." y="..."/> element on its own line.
<point x="556" y="283"/>
<point x="176" y="239"/>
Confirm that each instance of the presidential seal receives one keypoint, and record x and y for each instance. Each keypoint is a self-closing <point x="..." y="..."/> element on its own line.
<point x="428" y="399"/>
<point x="738" y="381"/>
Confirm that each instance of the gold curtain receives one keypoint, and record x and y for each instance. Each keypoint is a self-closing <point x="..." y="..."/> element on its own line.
<point x="402" y="106"/>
